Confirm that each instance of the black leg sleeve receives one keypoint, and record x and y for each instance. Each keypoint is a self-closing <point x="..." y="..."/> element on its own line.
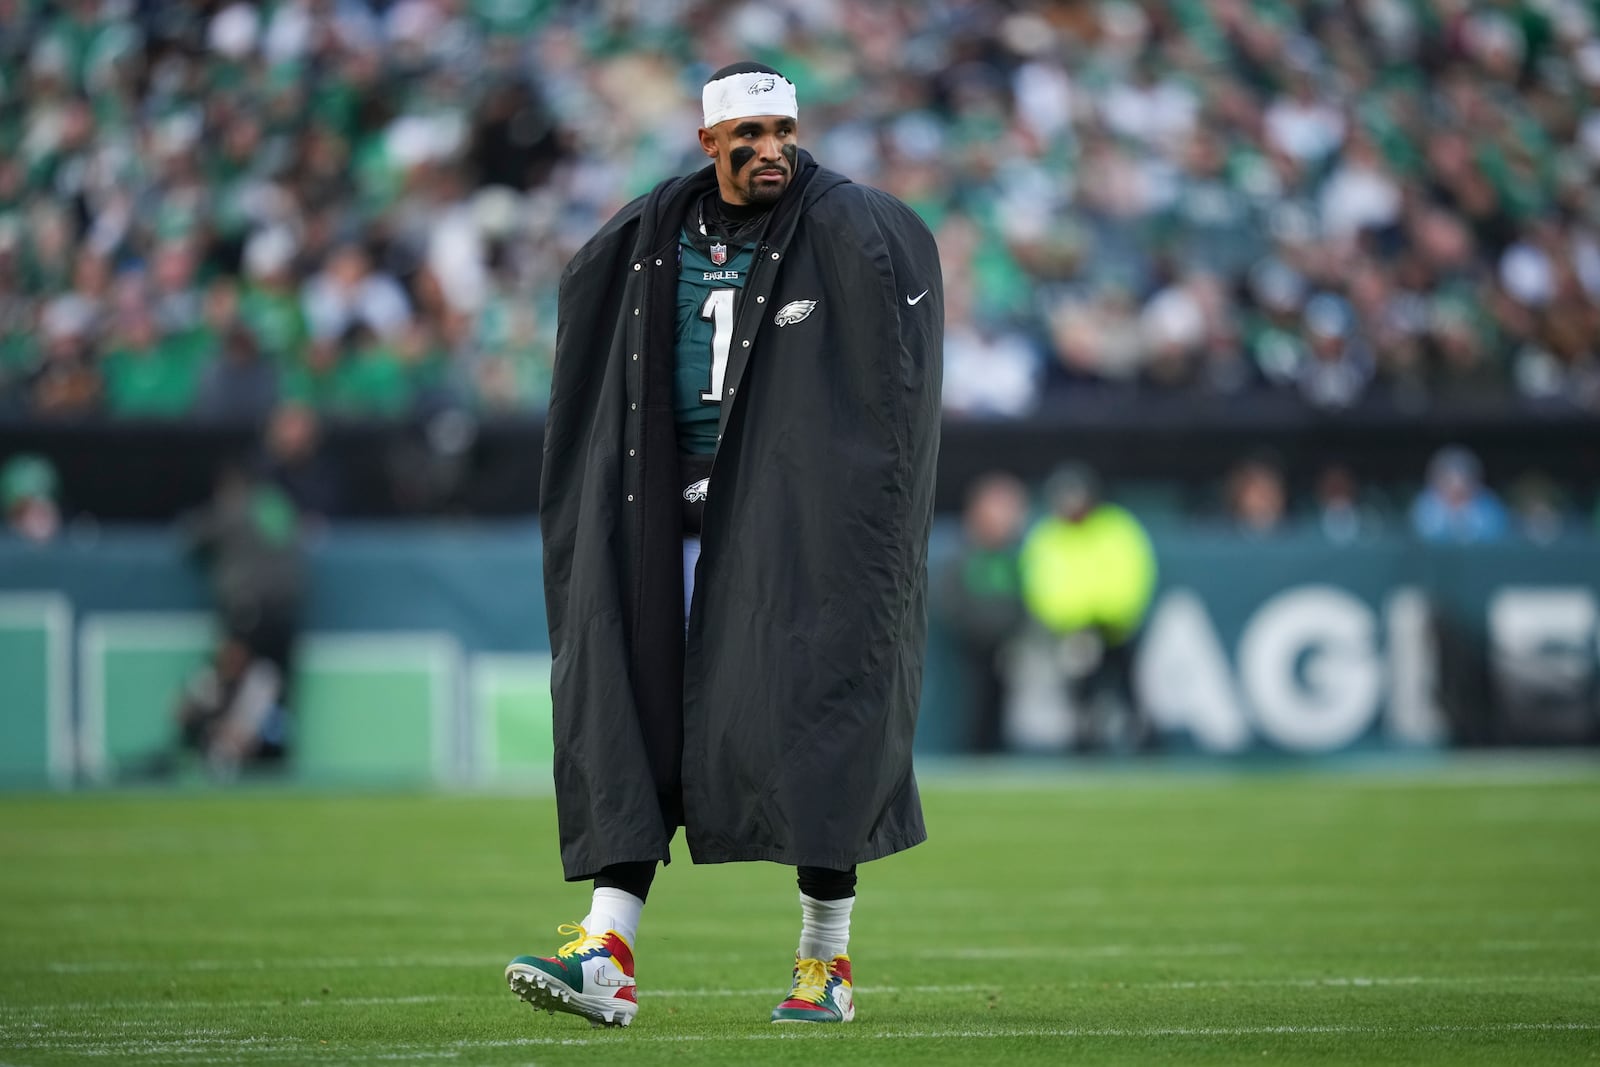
<point x="632" y="878"/>
<point x="820" y="883"/>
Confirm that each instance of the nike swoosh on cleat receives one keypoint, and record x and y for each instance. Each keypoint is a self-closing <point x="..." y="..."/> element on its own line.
<point x="603" y="976"/>
<point x="912" y="300"/>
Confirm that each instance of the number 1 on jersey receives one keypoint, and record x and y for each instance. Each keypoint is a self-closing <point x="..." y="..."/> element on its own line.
<point x="718" y="308"/>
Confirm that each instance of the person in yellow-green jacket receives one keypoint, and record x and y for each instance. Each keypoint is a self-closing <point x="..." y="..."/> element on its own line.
<point x="1088" y="573"/>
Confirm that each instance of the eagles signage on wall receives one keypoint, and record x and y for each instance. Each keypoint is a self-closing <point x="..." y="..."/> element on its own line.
<point x="1314" y="668"/>
<point x="1307" y="648"/>
<point x="1298" y="647"/>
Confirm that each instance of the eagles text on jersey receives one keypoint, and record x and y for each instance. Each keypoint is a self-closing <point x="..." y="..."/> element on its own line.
<point x="711" y="277"/>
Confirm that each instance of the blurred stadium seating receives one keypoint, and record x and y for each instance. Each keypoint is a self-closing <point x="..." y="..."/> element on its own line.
<point x="1385" y="207"/>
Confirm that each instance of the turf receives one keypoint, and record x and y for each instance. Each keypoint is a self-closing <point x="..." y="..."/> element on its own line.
<point x="1079" y="917"/>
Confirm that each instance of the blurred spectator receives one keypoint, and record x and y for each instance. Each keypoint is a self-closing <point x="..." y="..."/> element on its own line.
<point x="176" y="297"/>
<point x="148" y="372"/>
<point x="235" y="710"/>
<point x="1360" y="194"/>
<point x="292" y="459"/>
<point x="66" y="380"/>
<point x="1454" y="505"/>
<point x="1302" y="123"/>
<point x="1096" y="338"/>
<point x="978" y="597"/>
<point x="1088" y="574"/>
<point x="268" y="302"/>
<point x="348" y="294"/>
<point x="1540" y="507"/>
<point x="1174" y="327"/>
<point x="358" y="374"/>
<point x="1339" y="363"/>
<point x="989" y="371"/>
<point x="1343" y="514"/>
<point x="515" y="141"/>
<point x="239" y="384"/>
<point x="1256" y="498"/>
<point x="29" y="489"/>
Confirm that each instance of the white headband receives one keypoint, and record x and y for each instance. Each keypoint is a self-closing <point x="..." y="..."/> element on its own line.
<point x="741" y="96"/>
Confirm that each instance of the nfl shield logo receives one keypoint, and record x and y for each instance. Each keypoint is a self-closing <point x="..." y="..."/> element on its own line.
<point x="719" y="254"/>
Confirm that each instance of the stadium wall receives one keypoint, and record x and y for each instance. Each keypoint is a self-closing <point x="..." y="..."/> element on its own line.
<point x="426" y="658"/>
<point x="151" y="470"/>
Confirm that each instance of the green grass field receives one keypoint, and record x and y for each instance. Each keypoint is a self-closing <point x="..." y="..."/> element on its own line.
<point x="1084" y="916"/>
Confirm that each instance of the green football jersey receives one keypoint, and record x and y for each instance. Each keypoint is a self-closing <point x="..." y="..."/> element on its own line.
<point x="710" y="278"/>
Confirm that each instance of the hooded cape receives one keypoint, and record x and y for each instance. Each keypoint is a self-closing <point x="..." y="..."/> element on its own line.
<point x="780" y="727"/>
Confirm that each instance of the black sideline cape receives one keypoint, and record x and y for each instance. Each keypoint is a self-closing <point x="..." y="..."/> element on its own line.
<point x="781" y="727"/>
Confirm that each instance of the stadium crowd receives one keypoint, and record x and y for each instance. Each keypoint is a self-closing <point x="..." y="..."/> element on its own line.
<point x="365" y="206"/>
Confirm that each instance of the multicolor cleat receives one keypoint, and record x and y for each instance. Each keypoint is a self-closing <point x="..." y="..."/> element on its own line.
<point x="591" y="976"/>
<point x="821" y="994"/>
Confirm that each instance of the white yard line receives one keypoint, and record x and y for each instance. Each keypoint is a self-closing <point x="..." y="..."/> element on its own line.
<point x="831" y="1033"/>
<point x="196" y="1049"/>
<point x="1360" y="983"/>
<point x="97" y="1044"/>
<point x="20" y="1015"/>
<point x="317" y="963"/>
<point x="975" y="952"/>
<point x="1055" y="952"/>
<point x="14" y="1010"/>
<point x="287" y="963"/>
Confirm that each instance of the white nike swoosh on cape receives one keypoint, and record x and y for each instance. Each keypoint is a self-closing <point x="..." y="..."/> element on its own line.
<point x="912" y="300"/>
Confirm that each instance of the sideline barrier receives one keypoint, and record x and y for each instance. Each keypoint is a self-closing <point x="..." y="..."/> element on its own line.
<point x="370" y="707"/>
<point x="511" y="718"/>
<point x="426" y="658"/>
<point x="378" y="708"/>
<point x="36" y="744"/>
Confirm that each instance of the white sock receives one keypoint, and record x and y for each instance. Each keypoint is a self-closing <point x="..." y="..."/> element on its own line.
<point x="824" y="927"/>
<point x="614" y="909"/>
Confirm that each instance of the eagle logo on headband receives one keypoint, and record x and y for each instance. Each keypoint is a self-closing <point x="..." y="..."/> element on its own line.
<point x="765" y="85"/>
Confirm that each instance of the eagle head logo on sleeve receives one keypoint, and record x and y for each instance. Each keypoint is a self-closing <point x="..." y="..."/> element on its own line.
<point x="698" y="491"/>
<point x="794" y="311"/>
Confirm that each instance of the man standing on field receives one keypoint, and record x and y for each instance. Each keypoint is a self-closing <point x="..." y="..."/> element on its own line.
<point x="736" y="499"/>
